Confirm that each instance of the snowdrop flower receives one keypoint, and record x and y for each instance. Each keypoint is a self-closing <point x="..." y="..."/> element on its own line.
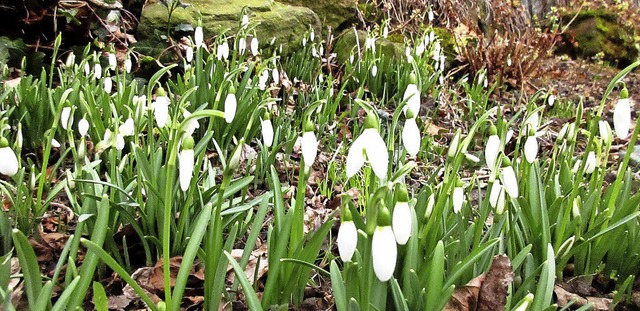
<point x="412" y="95"/>
<point x="605" y="132"/>
<point x="509" y="178"/>
<point x="119" y="141"/>
<point x="97" y="71"/>
<point x="457" y="197"/>
<point x="192" y="125"/>
<point x="420" y="48"/>
<point x="161" y="108"/>
<point x="496" y="198"/>
<point x="262" y="80"/>
<point x="108" y="84"/>
<point x="401" y="219"/>
<point x="245" y="21"/>
<point x="370" y="44"/>
<point x="242" y="46"/>
<point x="186" y="162"/>
<point x="71" y="59"/>
<point x="188" y="54"/>
<point x="373" y="146"/>
<point x="275" y="75"/>
<point x="83" y="126"/>
<point x="622" y="115"/>
<point x="312" y="35"/>
<point x="407" y="52"/>
<point x="384" y="251"/>
<point x="128" y="65"/>
<point x="223" y="51"/>
<point x="309" y="144"/>
<point x="113" y="62"/>
<point x="267" y="129"/>
<point x="230" y="105"/>
<point x="411" y="134"/>
<point x="55" y="143"/>
<point x="509" y="61"/>
<point x="430" y="16"/>
<point x="374" y="70"/>
<point x="8" y="160"/>
<point x="591" y="163"/>
<point x="87" y="69"/>
<point x="431" y="202"/>
<point x="453" y="147"/>
<point x="533" y="121"/>
<point x="65" y="115"/>
<point x="347" y="236"/>
<point x="127" y="128"/>
<point x="551" y="100"/>
<point x="531" y="147"/>
<point x="198" y="37"/>
<point x="385" y="31"/>
<point x="508" y="136"/>
<point x="254" y="46"/>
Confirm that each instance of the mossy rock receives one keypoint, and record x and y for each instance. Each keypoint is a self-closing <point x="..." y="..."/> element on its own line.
<point x="594" y="32"/>
<point x="346" y="43"/>
<point x="286" y="23"/>
<point x="337" y="14"/>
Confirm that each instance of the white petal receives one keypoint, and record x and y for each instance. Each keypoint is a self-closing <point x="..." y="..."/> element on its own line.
<point x="401" y="221"/>
<point x="186" y="163"/>
<point x="254" y="46"/>
<point x="127" y="128"/>
<point x="230" y="105"/>
<point x="267" y="132"/>
<point x="510" y="181"/>
<point x="591" y="163"/>
<point x="605" y="131"/>
<point x="309" y="148"/>
<point x="64" y="117"/>
<point x="192" y="125"/>
<point x="189" y="54"/>
<point x="495" y="193"/>
<point x="97" y="71"/>
<point x="384" y="253"/>
<point x="113" y="62"/>
<point x="533" y="121"/>
<point x="501" y="202"/>
<point x="377" y="153"/>
<point x="531" y="149"/>
<point x="622" y="118"/>
<point x="355" y="157"/>
<point x="108" y="84"/>
<point x="412" y="96"/>
<point x="55" y="143"/>
<point x="128" y="65"/>
<point x="275" y="75"/>
<point x="119" y="142"/>
<point x="8" y="161"/>
<point x="374" y="70"/>
<point x="508" y="136"/>
<point x="198" y="37"/>
<point x="458" y="199"/>
<point x="411" y="137"/>
<point x="161" y="110"/>
<point x="491" y="150"/>
<point x="347" y="240"/>
<point x="83" y="127"/>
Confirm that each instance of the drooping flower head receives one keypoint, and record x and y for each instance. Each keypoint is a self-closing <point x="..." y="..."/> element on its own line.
<point x="347" y="236"/>
<point x="384" y="251"/>
<point x="309" y="143"/>
<point x="66" y="117"/>
<point x="161" y="107"/>
<point x="457" y="197"/>
<point x="531" y="146"/>
<point x="83" y="126"/>
<point x="230" y="105"/>
<point x="412" y="95"/>
<point x="622" y="114"/>
<point x="198" y="37"/>
<point x="401" y="219"/>
<point x="267" y="129"/>
<point x="509" y="178"/>
<point x="411" y="134"/>
<point x="371" y="145"/>
<point x="186" y="162"/>
<point x="8" y="161"/>
<point x="492" y="148"/>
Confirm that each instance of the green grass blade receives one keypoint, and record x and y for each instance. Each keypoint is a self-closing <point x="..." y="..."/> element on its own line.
<point x="337" y="284"/>
<point x="249" y="293"/>
<point x="29" y="266"/>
